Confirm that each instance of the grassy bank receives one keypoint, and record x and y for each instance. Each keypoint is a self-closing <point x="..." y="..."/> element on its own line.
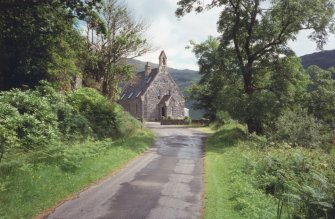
<point x="249" y="177"/>
<point x="34" y="188"/>
<point x="53" y="144"/>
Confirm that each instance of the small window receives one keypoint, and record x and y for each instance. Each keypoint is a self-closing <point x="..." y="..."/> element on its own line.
<point x="123" y="96"/>
<point x="149" y="79"/>
<point x="130" y="95"/>
<point x="138" y="94"/>
<point x="159" y="94"/>
<point x="170" y="92"/>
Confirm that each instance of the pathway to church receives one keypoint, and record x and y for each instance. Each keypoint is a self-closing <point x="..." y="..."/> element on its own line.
<point x="165" y="182"/>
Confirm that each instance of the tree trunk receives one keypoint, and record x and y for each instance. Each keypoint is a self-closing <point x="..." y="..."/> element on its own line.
<point x="104" y="87"/>
<point x="254" y="126"/>
<point x="247" y="76"/>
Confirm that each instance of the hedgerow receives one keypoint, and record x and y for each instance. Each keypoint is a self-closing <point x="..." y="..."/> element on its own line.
<point x="37" y="120"/>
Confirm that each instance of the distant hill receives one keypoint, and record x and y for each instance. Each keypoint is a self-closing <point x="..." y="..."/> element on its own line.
<point x="183" y="78"/>
<point x="324" y="59"/>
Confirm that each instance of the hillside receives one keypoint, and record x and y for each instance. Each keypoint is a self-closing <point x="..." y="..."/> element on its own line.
<point x="183" y="78"/>
<point x="324" y="59"/>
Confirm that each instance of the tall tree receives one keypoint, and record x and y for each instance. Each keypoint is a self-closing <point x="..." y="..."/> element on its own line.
<point x="282" y="81"/>
<point x="124" y="38"/>
<point x="75" y="8"/>
<point x="39" y="41"/>
<point x="254" y="34"/>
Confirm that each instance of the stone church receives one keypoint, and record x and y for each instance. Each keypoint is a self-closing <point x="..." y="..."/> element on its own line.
<point x="153" y="94"/>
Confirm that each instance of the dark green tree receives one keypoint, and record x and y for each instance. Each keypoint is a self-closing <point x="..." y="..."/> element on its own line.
<point x="39" y="41"/>
<point x="75" y="8"/>
<point x="256" y="35"/>
<point x="281" y="85"/>
<point x="205" y="93"/>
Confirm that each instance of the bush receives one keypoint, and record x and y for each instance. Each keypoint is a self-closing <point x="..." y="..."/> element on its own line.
<point x="301" y="188"/>
<point x="34" y="123"/>
<point x="222" y="117"/>
<point x="8" y="122"/>
<point x="188" y="120"/>
<point x="38" y="121"/>
<point x="128" y="125"/>
<point x="72" y="124"/>
<point x="299" y="128"/>
<point x="100" y="112"/>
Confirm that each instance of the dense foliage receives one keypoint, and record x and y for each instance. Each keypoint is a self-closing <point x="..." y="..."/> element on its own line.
<point x="300" y="129"/>
<point x="321" y="94"/>
<point x="285" y="87"/>
<point x="248" y="176"/>
<point x="35" y="119"/>
<point x="39" y="41"/>
<point x="253" y="53"/>
<point x="46" y="40"/>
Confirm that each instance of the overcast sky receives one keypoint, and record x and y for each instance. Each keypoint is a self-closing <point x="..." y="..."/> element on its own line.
<point x="168" y="33"/>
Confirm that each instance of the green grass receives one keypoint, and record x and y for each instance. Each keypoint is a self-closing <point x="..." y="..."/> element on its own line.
<point x="229" y="193"/>
<point x="205" y="129"/>
<point x="232" y="164"/>
<point x="34" y="188"/>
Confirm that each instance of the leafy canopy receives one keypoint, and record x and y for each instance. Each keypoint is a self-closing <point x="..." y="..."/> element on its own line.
<point x="254" y="43"/>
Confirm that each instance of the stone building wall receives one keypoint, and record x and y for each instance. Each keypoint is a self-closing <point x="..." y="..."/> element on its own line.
<point x="162" y="92"/>
<point x="163" y="85"/>
<point x="134" y="107"/>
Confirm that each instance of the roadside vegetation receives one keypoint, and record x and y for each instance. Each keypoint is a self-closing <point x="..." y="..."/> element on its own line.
<point x="53" y="145"/>
<point x="273" y="153"/>
<point x="247" y="176"/>
<point x="61" y="128"/>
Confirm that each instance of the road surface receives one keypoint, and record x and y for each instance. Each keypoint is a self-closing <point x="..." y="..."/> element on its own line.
<point x="165" y="182"/>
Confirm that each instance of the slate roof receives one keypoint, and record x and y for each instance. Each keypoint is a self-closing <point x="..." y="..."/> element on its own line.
<point x="138" y="85"/>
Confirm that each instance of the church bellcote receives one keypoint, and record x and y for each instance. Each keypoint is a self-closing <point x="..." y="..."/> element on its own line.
<point x="162" y="59"/>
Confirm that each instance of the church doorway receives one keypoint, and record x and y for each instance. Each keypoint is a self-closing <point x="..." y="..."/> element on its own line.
<point x="163" y="111"/>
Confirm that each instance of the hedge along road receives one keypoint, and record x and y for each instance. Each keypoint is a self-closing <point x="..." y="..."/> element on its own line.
<point x="166" y="182"/>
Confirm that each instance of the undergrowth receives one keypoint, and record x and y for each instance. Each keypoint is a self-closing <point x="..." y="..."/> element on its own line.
<point x="248" y="176"/>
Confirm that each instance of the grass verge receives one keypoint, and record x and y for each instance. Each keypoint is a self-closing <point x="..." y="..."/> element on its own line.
<point x="229" y="193"/>
<point x="240" y="168"/>
<point x="34" y="188"/>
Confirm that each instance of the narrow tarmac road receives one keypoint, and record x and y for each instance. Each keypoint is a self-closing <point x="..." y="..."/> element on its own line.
<point x="166" y="182"/>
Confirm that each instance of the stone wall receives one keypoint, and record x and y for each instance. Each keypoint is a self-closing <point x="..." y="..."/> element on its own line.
<point x="134" y="107"/>
<point x="148" y="106"/>
<point x="162" y="85"/>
